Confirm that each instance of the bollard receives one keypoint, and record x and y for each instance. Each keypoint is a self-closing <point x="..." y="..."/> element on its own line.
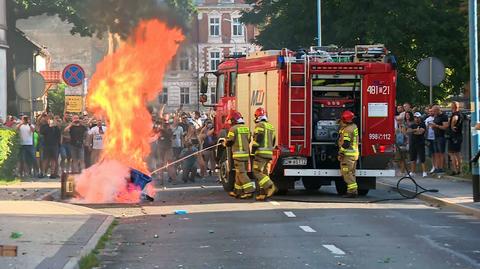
<point x="68" y="186"/>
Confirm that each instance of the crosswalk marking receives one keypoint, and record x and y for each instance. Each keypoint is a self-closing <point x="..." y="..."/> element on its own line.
<point x="334" y="249"/>
<point x="307" y="229"/>
<point x="289" y="214"/>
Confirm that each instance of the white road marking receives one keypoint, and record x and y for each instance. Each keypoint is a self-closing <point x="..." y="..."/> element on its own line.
<point x="274" y="203"/>
<point x="334" y="249"/>
<point x="289" y="214"/>
<point x="307" y="229"/>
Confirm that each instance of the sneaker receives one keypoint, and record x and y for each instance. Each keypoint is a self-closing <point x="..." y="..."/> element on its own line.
<point x="350" y="195"/>
<point x="53" y="176"/>
<point x="411" y="174"/>
<point x="424" y="174"/>
<point x="440" y="171"/>
<point x="41" y="175"/>
<point x="432" y="170"/>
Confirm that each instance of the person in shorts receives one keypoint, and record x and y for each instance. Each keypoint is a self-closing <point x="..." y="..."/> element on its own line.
<point x="416" y="132"/>
<point x="27" y="151"/>
<point x="455" y="128"/>
<point x="78" y="133"/>
<point x="401" y="145"/>
<point x="430" y="137"/>
<point x="51" y="141"/>
<point x="439" y="125"/>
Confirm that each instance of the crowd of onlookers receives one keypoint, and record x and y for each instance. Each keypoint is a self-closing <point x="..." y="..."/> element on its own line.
<point x="179" y="135"/>
<point x="51" y="144"/>
<point x="429" y="133"/>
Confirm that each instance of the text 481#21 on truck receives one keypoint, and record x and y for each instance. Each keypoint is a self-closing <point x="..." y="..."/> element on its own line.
<point x="304" y="94"/>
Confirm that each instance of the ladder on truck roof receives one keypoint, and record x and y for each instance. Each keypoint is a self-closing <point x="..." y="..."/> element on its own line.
<point x="361" y="53"/>
<point x="297" y="101"/>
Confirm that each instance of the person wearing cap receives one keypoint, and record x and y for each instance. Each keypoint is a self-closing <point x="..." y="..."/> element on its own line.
<point x="348" y="152"/>
<point x="416" y="137"/>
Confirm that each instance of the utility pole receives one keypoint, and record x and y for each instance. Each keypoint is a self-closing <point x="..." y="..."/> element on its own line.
<point x="3" y="59"/>
<point x="475" y="104"/>
<point x="319" y="23"/>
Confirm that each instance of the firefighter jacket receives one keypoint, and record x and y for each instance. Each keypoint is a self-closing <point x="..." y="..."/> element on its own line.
<point x="348" y="140"/>
<point x="263" y="140"/>
<point x="239" y="137"/>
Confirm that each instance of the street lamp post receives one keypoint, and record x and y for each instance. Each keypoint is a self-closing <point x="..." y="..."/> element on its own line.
<point x="475" y="104"/>
<point x="319" y="23"/>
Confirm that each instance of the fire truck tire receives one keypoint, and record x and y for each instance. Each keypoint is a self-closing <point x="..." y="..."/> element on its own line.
<point x="281" y="192"/>
<point x="311" y="184"/>
<point x="341" y="186"/>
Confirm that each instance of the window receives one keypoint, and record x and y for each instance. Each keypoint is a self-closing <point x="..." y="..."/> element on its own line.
<point x="237" y="27"/>
<point x="233" y="83"/>
<point x="214" y="26"/>
<point x="163" y="96"/>
<point x="221" y="85"/>
<point x="184" y="61"/>
<point x="213" y="95"/>
<point x="184" y="96"/>
<point x="214" y="60"/>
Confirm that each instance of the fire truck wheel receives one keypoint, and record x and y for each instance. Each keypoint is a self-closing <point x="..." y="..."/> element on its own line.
<point x="341" y="186"/>
<point x="311" y="184"/>
<point x="281" y="192"/>
<point x="363" y="192"/>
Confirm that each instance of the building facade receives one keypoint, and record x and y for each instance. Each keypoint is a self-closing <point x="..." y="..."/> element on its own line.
<point x="216" y="33"/>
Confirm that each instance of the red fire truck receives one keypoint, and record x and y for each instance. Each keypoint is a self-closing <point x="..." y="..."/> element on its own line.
<point x="304" y="94"/>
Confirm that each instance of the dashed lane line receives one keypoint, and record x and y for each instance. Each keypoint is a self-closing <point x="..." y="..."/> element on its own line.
<point x="307" y="229"/>
<point x="334" y="249"/>
<point x="289" y="214"/>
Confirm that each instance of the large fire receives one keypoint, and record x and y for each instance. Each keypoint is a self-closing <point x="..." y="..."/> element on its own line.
<point x="118" y="91"/>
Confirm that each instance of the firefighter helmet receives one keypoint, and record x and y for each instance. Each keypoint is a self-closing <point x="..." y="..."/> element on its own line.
<point x="347" y="116"/>
<point x="260" y="112"/>
<point x="234" y="117"/>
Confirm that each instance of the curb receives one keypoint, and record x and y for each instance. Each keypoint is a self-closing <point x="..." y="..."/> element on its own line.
<point x="437" y="200"/>
<point x="91" y="244"/>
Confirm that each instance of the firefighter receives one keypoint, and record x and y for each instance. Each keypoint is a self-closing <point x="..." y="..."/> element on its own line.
<point x="238" y="139"/>
<point x="348" y="152"/>
<point x="262" y="149"/>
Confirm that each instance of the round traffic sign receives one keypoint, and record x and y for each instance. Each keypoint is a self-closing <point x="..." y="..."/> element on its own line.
<point x="27" y="80"/>
<point x="73" y="75"/>
<point x="430" y="71"/>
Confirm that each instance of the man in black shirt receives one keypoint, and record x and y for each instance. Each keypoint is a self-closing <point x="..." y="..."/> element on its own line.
<point x="416" y="133"/>
<point x="78" y="133"/>
<point x="439" y="125"/>
<point x="51" y="141"/>
<point x="455" y="138"/>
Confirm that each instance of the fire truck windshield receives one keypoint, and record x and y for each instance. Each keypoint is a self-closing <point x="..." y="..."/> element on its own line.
<point x="221" y="85"/>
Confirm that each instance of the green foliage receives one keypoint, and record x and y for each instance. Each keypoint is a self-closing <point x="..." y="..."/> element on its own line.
<point x="9" y="153"/>
<point x="91" y="260"/>
<point x="56" y="100"/>
<point x="91" y="17"/>
<point x="411" y="29"/>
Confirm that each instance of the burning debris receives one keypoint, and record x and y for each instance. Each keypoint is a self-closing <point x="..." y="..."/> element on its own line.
<point x="119" y="90"/>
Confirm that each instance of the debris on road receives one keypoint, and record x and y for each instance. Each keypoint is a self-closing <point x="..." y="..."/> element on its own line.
<point x="211" y="231"/>
<point x="181" y="212"/>
<point x="155" y="236"/>
<point x="16" y="235"/>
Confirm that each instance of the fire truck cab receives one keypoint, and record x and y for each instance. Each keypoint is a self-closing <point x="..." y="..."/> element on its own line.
<point x="304" y="94"/>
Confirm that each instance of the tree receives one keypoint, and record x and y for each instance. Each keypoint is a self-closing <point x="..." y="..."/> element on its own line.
<point x="411" y="29"/>
<point x="56" y="99"/>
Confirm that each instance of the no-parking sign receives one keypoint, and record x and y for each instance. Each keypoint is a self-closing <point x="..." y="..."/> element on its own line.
<point x="73" y="75"/>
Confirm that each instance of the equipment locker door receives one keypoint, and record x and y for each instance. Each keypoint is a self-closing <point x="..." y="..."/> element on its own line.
<point x="378" y="112"/>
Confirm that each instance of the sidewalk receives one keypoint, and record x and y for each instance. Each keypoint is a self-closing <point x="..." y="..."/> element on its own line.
<point x="29" y="189"/>
<point x="53" y="235"/>
<point x="453" y="192"/>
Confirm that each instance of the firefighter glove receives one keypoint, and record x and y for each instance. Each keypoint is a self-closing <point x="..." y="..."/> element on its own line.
<point x="230" y="143"/>
<point x="346" y="144"/>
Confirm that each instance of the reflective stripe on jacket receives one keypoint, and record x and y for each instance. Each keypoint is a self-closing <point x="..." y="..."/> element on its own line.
<point x="264" y="139"/>
<point x="348" y="132"/>
<point x="240" y="134"/>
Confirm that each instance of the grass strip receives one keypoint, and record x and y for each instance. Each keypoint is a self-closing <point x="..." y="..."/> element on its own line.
<point x="91" y="260"/>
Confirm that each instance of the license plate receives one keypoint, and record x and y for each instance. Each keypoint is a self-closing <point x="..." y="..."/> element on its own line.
<point x="299" y="161"/>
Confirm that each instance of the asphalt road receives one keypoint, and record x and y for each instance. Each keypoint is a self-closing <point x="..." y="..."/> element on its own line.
<point x="321" y="231"/>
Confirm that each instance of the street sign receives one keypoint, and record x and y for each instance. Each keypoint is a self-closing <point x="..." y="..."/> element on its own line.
<point x="73" y="75"/>
<point x="73" y="104"/>
<point x="73" y="91"/>
<point x="430" y="72"/>
<point x="29" y="84"/>
<point x="25" y="106"/>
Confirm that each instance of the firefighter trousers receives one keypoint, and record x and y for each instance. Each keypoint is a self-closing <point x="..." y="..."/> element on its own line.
<point x="243" y="184"/>
<point x="348" y="165"/>
<point x="260" y="171"/>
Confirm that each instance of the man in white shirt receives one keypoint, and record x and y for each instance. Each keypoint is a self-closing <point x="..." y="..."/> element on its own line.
<point x="430" y="137"/>
<point x="96" y="135"/>
<point x="27" y="151"/>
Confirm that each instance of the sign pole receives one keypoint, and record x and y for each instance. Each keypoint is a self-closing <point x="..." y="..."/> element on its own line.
<point x="31" y="94"/>
<point x="474" y="105"/>
<point x="431" y="91"/>
<point x="319" y="23"/>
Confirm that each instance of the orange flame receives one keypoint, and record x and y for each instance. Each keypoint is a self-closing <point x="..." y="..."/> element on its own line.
<point x="119" y="90"/>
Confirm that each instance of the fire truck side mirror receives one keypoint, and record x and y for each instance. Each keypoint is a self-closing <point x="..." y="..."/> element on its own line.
<point x="204" y="84"/>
